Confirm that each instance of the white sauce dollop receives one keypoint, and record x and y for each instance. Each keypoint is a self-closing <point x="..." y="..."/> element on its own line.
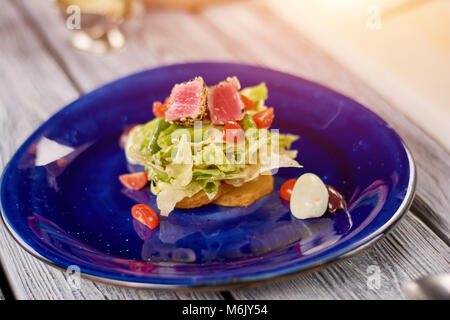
<point x="309" y="197"/>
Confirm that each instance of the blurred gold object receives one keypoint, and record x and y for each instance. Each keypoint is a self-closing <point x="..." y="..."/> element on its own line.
<point x="99" y="21"/>
<point x="183" y="4"/>
<point x="118" y="9"/>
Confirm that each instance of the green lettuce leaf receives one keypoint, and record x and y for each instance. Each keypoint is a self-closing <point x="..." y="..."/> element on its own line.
<point x="210" y="187"/>
<point x="286" y="139"/>
<point x="257" y="93"/>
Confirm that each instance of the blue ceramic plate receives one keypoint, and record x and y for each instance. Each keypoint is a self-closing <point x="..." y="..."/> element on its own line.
<point x="63" y="203"/>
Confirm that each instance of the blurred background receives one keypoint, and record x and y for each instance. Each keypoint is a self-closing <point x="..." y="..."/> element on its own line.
<point x="403" y="53"/>
<point x="400" y="49"/>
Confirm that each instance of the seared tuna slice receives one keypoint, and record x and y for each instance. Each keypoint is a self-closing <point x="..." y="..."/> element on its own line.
<point x="224" y="102"/>
<point x="187" y="102"/>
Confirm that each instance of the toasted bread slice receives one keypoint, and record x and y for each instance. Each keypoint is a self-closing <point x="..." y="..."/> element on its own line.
<point x="246" y="194"/>
<point x="198" y="200"/>
<point x="229" y="196"/>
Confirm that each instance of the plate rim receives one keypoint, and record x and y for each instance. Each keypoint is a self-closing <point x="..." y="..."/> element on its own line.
<point x="246" y="280"/>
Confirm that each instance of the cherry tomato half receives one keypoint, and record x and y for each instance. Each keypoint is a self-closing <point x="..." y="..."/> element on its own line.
<point x="263" y="119"/>
<point x="61" y="162"/>
<point x="134" y="181"/>
<point x="146" y="215"/>
<point x="249" y="104"/>
<point x="286" y="189"/>
<point x="142" y="267"/>
<point x="32" y="149"/>
<point x="232" y="132"/>
<point x="159" y="108"/>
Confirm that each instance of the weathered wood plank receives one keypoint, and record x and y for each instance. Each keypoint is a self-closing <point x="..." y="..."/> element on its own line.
<point x="270" y="42"/>
<point x="408" y="252"/>
<point x="36" y="88"/>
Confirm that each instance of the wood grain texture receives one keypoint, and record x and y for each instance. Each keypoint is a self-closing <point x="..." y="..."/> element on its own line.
<point x="37" y="88"/>
<point x="214" y="34"/>
<point x="408" y="252"/>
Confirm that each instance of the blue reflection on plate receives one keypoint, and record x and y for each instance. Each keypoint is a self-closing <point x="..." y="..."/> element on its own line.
<point x="62" y="200"/>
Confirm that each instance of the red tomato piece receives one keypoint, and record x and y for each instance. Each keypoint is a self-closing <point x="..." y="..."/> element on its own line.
<point x="249" y="104"/>
<point x="159" y="108"/>
<point x="141" y="267"/>
<point x="286" y="189"/>
<point x="146" y="215"/>
<point x="134" y="181"/>
<point x="61" y="162"/>
<point x="32" y="149"/>
<point x="232" y="132"/>
<point x="263" y="119"/>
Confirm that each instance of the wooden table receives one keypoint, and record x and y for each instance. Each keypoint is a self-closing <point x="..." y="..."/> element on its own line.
<point x="40" y="73"/>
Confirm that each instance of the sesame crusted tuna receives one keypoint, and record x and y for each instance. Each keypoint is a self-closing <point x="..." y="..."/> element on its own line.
<point x="224" y="102"/>
<point x="187" y="102"/>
